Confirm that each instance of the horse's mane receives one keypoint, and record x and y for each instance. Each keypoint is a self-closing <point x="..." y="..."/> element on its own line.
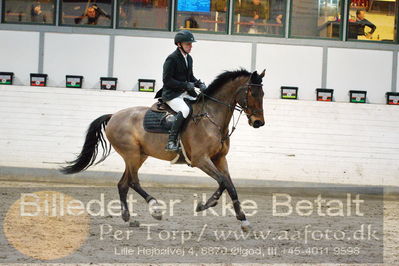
<point x="225" y="77"/>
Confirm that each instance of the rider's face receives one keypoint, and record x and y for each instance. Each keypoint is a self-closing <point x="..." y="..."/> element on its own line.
<point x="187" y="46"/>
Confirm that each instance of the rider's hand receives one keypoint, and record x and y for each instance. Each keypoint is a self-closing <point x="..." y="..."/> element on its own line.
<point x="190" y="89"/>
<point x="202" y="87"/>
<point x="190" y="86"/>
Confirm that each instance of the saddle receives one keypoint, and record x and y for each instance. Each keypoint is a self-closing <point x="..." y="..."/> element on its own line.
<point x="160" y="117"/>
<point x="161" y="107"/>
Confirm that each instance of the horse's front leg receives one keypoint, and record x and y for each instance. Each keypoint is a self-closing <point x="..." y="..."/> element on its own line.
<point x="206" y="165"/>
<point x="221" y="165"/>
<point x="212" y="201"/>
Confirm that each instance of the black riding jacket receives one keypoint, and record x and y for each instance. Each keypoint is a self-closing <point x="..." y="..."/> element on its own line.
<point x="176" y="75"/>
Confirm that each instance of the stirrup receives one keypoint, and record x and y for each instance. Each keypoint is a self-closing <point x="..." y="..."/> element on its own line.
<point x="172" y="146"/>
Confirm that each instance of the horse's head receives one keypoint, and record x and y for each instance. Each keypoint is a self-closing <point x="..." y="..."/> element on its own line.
<point x="250" y="98"/>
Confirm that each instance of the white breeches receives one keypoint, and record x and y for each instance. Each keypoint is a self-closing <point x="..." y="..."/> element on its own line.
<point x="179" y="105"/>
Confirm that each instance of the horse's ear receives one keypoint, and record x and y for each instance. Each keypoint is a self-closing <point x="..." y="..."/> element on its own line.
<point x="263" y="73"/>
<point x="254" y="76"/>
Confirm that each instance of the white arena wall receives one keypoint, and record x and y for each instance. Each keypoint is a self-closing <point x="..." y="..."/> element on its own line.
<point x="75" y="54"/>
<point x="142" y="57"/>
<point x="351" y="69"/>
<point x="302" y="141"/>
<point x="291" y="66"/>
<point x="19" y="53"/>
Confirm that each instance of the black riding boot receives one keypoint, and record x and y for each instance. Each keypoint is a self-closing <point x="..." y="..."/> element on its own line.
<point x="173" y="145"/>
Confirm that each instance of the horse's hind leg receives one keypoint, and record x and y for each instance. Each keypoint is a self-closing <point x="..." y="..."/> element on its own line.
<point x="134" y="183"/>
<point x="155" y="212"/>
<point x="123" y="188"/>
<point x="133" y="162"/>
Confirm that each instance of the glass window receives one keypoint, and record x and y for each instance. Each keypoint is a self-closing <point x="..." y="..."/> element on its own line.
<point x="316" y="18"/>
<point x="373" y="20"/>
<point x="144" y="14"/>
<point x="259" y="17"/>
<point x="88" y="13"/>
<point x="29" y="11"/>
<point x="202" y="15"/>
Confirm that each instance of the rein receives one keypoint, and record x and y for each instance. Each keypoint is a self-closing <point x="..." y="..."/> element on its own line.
<point x="236" y="107"/>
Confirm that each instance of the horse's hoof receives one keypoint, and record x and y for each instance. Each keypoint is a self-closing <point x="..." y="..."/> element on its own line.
<point x="212" y="204"/>
<point x="246" y="226"/>
<point x="157" y="214"/>
<point x="154" y="211"/>
<point x="125" y="215"/>
<point x="200" y="207"/>
<point x="134" y="224"/>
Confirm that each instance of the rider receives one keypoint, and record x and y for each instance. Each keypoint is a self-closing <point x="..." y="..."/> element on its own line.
<point x="179" y="83"/>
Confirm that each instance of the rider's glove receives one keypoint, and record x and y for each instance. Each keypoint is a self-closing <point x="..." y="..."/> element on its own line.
<point x="190" y="86"/>
<point x="201" y="85"/>
<point x="190" y="89"/>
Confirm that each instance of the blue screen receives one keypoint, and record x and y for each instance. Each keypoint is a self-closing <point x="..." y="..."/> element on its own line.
<point x="194" y="5"/>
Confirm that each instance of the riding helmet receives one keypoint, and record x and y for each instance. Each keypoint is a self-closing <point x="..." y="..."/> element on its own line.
<point x="184" y="36"/>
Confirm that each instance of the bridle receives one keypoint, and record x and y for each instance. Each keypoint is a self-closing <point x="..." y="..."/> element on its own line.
<point x="236" y="107"/>
<point x="239" y="107"/>
<point x="244" y="106"/>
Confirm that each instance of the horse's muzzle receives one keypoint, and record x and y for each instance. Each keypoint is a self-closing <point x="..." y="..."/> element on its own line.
<point x="258" y="124"/>
<point x="256" y="121"/>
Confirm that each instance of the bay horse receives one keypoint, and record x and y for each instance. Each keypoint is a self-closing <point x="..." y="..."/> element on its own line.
<point x="205" y="138"/>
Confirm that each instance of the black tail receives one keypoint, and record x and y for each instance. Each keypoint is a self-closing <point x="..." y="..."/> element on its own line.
<point x="89" y="152"/>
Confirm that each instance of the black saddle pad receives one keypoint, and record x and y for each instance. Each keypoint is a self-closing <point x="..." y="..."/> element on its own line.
<point x="156" y="122"/>
<point x="161" y="122"/>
